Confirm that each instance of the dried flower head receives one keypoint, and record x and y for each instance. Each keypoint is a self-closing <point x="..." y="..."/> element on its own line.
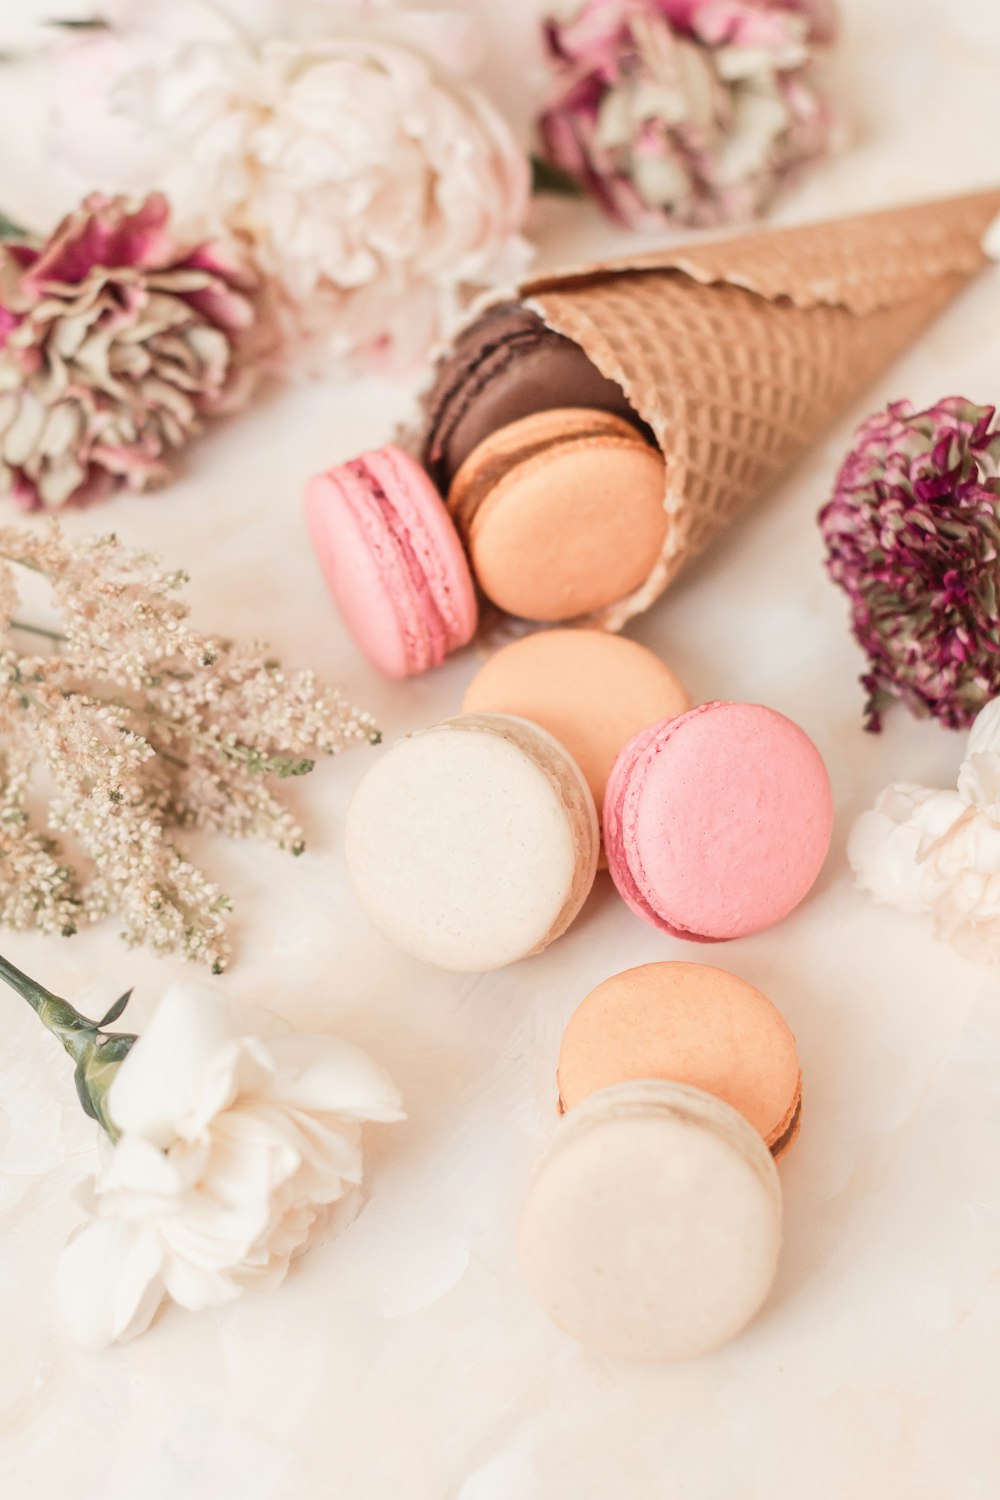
<point x="913" y="537"/>
<point x="115" y="343"/>
<point x="145" y="727"/>
<point x="685" y="111"/>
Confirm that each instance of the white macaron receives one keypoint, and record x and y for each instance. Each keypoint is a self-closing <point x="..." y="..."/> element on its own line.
<point x="474" y="843"/>
<point x="652" y="1225"/>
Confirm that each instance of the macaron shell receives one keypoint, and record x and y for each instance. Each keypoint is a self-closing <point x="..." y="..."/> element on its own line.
<point x="392" y="561"/>
<point x="434" y="540"/>
<point x="592" y="690"/>
<point x="473" y="844"/>
<point x="366" y="579"/>
<point x="505" y="366"/>
<point x="717" y="823"/>
<point x="652" y="1225"/>
<point x="563" y="513"/>
<point x="691" y="1023"/>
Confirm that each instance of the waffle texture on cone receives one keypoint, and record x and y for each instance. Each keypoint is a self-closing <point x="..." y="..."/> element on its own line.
<point x="738" y="354"/>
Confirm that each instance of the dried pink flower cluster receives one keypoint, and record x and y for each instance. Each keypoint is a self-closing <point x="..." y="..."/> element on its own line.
<point x="913" y="537"/>
<point x="685" y="111"/>
<point x="115" y="344"/>
<point x="144" y="727"/>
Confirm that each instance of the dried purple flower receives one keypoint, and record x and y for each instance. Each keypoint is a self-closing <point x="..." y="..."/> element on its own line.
<point x="913" y="538"/>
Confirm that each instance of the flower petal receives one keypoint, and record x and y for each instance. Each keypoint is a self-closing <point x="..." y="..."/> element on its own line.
<point x="324" y="1075"/>
<point x="172" y="1070"/>
<point x="108" y="1282"/>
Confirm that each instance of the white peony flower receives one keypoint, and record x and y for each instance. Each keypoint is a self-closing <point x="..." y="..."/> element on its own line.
<point x="376" y="185"/>
<point x="239" y="1139"/>
<point x="938" y="852"/>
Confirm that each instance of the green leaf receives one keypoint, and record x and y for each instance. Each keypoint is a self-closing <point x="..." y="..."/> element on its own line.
<point x="95" y="1076"/>
<point x="83" y="23"/>
<point x="83" y="1090"/>
<point x="115" y="1011"/>
<point x="552" y="180"/>
<point x="11" y="231"/>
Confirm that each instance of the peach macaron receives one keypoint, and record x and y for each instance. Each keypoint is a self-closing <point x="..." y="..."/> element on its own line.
<point x="562" y="512"/>
<point x="692" y="1024"/>
<point x="590" y="689"/>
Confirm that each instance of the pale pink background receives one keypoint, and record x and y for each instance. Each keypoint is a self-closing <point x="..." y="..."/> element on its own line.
<point x="406" y="1361"/>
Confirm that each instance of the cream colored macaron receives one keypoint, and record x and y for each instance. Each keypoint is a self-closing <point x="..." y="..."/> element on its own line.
<point x="474" y="843"/>
<point x="652" y="1225"/>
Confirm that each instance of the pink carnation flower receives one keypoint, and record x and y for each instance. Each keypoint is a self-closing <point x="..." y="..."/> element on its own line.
<point x="691" y="111"/>
<point x="115" y="343"/>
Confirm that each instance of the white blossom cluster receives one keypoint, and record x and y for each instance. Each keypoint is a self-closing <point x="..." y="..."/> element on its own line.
<point x="140" y="727"/>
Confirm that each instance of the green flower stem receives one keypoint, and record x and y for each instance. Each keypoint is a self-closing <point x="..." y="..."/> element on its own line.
<point x="29" y="629"/>
<point x="57" y="1015"/>
<point x="97" y="1054"/>
<point x="549" y="180"/>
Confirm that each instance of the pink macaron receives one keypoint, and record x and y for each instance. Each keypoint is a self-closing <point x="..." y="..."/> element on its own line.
<point x="392" y="560"/>
<point x="717" y="822"/>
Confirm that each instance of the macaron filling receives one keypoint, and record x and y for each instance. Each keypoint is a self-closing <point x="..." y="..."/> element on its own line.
<point x="789" y="1129"/>
<point x="777" y="1147"/>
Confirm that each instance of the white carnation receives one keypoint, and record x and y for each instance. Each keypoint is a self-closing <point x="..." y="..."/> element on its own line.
<point x="378" y="187"/>
<point x="239" y="1140"/>
<point x="938" y="852"/>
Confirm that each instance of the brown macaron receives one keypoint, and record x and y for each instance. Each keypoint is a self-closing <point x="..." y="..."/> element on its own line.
<point x="562" y="512"/>
<point x="506" y="365"/>
<point x="692" y="1024"/>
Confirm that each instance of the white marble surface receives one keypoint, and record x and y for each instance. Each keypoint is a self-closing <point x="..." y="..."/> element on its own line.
<point x="406" y="1361"/>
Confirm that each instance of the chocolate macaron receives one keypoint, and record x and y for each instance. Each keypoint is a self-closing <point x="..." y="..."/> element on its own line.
<point x="504" y="366"/>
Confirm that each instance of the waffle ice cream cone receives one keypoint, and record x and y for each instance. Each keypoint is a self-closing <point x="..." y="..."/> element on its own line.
<point x="738" y="354"/>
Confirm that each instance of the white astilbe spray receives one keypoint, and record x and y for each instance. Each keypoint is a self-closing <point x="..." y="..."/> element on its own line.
<point x="144" y="727"/>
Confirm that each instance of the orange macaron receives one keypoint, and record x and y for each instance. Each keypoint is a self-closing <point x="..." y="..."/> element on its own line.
<point x="562" y="512"/>
<point x="692" y="1024"/>
<point x="593" y="691"/>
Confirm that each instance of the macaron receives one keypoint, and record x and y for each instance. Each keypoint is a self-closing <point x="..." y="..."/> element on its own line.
<point x="392" y="561"/>
<point x="693" y="1024"/>
<point x="562" y="512"/>
<point x="717" y="822"/>
<point x="651" y="1227"/>
<point x="504" y="366"/>
<point x="473" y="844"/>
<point x="592" y="690"/>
